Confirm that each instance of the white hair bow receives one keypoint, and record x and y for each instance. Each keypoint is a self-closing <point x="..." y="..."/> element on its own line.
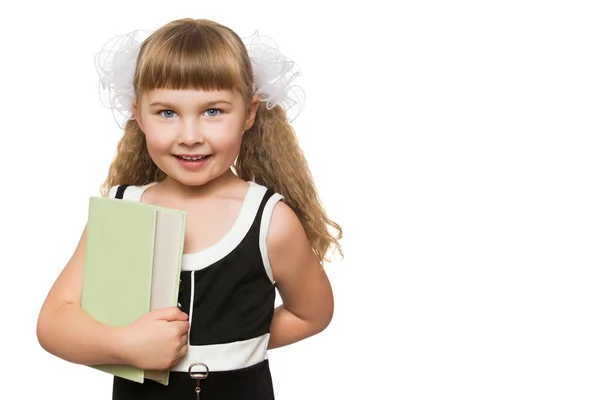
<point x="273" y="74"/>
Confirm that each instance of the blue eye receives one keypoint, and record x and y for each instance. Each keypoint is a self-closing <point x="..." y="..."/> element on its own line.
<point x="213" y="112"/>
<point x="167" y="113"/>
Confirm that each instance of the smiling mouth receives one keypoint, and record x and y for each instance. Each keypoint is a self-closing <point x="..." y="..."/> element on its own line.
<point x="192" y="158"/>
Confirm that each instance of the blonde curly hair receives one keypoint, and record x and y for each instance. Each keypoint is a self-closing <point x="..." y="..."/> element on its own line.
<point x="203" y="54"/>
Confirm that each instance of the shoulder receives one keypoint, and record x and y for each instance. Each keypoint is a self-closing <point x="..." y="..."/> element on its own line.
<point x="280" y="223"/>
<point x="117" y="191"/>
<point x="285" y="226"/>
<point x="112" y="192"/>
<point x="128" y="192"/>
<point x="289" y="250"/>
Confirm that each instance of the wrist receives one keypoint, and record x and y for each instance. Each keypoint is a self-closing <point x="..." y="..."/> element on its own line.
<point x="119" y="347"/>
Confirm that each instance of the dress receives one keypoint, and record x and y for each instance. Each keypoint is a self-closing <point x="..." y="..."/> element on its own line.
<point x="228" y="292"/>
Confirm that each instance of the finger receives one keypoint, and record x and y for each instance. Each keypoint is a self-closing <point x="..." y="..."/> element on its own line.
<point x="180" y="352"/>
<point x="183" y="350"/>
<point x="181" y="326"/>
<point x="170" y="314"/>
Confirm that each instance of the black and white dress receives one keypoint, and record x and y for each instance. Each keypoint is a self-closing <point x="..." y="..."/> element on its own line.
<point x="228" y="292"/>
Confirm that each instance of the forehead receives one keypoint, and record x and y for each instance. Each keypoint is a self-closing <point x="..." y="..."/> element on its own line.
<point x="190" y="96"/>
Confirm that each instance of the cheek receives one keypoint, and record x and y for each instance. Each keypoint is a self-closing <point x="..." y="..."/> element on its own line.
<point x="157" y="140"/>
<point x="230" y="136"/>
<point x="228" y="143"/>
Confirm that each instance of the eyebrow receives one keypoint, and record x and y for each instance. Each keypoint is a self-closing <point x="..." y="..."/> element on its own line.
<point x="207" y="104"/>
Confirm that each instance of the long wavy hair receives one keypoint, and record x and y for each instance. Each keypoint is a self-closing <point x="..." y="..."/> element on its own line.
<point x="203" y="54"/>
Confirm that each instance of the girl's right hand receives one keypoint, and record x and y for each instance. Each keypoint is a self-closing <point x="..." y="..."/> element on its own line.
<point x="156" y="340"/>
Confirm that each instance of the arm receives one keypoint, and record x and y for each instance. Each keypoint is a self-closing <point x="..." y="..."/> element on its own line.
<point x="156" y="340"/>
<point x="66" y="330"/>
<point x="301" y="281"/>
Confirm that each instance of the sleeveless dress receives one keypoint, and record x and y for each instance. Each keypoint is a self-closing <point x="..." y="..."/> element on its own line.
<point x="228" y="292"/>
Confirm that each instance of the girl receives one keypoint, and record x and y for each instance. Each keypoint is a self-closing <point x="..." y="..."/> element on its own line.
<point x="208" y="134"/>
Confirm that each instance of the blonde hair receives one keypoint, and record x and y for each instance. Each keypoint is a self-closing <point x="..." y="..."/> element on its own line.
<point x="203" y="54"/>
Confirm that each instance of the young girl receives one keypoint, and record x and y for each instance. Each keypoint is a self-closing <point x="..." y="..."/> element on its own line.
<point x="208" y="134"/>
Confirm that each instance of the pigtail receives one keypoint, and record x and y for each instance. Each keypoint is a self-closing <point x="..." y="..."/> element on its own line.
<point x="271" y="156"/>
<point x="132" y="164"/>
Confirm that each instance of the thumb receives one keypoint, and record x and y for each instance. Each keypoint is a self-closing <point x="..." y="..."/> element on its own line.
<point x="170" y="314"/>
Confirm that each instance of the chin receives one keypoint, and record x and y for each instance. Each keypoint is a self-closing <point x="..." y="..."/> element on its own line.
<point x="190" y="181"/>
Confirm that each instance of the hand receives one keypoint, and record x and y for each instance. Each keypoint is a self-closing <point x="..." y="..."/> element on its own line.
<point x="156" y="340"/>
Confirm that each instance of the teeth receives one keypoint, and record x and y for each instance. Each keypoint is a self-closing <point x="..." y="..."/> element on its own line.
<point x="192" y="158"/>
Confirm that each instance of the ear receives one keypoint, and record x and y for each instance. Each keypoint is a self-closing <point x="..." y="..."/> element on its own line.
<point x="251" y="112"/>
<point x="136" y="113"/>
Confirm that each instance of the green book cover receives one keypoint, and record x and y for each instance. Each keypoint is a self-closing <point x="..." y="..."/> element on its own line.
<point x="132" y="265"/>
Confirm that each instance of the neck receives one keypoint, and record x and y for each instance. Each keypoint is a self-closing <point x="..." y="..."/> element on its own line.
<point x="210" y="188"/>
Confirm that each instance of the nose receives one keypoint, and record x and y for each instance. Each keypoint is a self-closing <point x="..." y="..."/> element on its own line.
<point x="190" y="133"/>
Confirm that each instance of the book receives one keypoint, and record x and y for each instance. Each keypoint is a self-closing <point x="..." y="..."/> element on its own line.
<point x="132" y="266"/>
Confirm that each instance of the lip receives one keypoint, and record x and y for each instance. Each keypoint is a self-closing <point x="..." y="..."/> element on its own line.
<point x="191" y="165"/>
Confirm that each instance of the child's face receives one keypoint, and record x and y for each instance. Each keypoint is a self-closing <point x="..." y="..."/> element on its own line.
<point x="183" y="125"/>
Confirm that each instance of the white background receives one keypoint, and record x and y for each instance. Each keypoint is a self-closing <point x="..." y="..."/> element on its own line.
<point x="455" y="142"/>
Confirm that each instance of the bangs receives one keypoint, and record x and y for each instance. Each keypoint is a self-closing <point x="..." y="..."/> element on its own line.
<point x="188" y="58"/>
